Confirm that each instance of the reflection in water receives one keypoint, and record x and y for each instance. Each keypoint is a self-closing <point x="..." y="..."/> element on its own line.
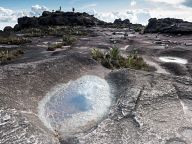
<point x="75" y="106"/>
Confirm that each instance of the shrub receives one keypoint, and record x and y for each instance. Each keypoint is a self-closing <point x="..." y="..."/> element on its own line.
<point x="136" y="62"/>
<point x="53" y="47"/>
<point x="68" y="40"/>
<point x="113" y="60"/>
<point x="97" y="54"/>
<point x="8" y="55"/>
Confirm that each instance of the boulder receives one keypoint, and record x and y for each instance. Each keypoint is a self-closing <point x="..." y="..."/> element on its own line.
<point x="122" y="23"/>
<point x="168" y="25"/>
<point x="16" y="27"/>
<point x="8" y="29"/>
<point x="46" y="13"/>
<point x="28" y="22"/>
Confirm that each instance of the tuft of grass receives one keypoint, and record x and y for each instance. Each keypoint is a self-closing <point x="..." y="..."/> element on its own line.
<point x="8" y="55"/>
<point x="97" y="54"/>
<point x="68" y="40"/>
<point x="113" y="60"/>
<point x="136" y="62"/>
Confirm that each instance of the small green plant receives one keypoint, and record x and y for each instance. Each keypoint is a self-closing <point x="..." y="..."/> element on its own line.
<point x="136" y="62"/>
<point x="68" y="40"/>
<point x="8" y="55"/>
<point x="97" y="54"/>
<point x="113" y="60"/>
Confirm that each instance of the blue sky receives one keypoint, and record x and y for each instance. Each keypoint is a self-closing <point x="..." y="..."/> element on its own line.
<point x="138" y="11"/>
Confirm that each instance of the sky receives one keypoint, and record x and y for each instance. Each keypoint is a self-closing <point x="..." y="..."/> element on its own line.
<point x="137" y="11"/>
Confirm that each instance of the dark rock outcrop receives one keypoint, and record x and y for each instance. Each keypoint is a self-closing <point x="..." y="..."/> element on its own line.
<point x="124" y="23"/>
<point x="58" y="18"/>
<point x="118" y="23"/>
<point x="27" y="22"/>
<point x="168" y="25"/>
<point x="8" y="29"/>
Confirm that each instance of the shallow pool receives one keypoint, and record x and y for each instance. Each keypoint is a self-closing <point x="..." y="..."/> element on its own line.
<point x="173" y="60"/>
<point x="76" y="106"/>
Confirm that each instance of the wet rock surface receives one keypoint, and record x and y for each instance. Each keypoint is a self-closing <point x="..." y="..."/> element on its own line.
<point x="148" y="107"/>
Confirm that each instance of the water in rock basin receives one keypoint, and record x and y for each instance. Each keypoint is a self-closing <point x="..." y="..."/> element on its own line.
<point x="76" y="106"/>
<point x="173" y="60"/>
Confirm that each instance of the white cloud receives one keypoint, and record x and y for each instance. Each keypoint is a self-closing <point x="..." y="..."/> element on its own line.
<point x="4" y="24"/>
<point x="6" y="15"/>
<point x="37" y="10"/>
<point x="9" y="17"/>
<point x="181" y="12"/>
<point x="88" y="6"/>
<point x="169" y="1"/>
<point x="135" y="16"/>
<point x="133" y="3"/>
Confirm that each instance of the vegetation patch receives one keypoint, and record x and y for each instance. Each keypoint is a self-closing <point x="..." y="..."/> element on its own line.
<point x="113" y="60"/>
<point x="67" y="41"/>
<point x="13" y="40"/>
<point x="8" y="55"/>
<point x="54" y="31"/>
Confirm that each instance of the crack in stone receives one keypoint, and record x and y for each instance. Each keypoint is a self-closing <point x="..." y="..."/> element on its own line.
<point x="133" y="114"/>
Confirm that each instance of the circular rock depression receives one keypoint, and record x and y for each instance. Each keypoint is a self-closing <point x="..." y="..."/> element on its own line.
<point x="173" y="60"/>
<point x="76" y="106"/>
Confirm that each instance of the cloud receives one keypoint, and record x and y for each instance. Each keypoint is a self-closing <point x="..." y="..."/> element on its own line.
<point x="135" y="16"/>
<point x="9" y="17"/>
<point x="37" y="10"/>
<point x="181" y="12"/>
<point x="88" y="6"/>
<point x="6" y="15"/>
<point x="133" y="3"/>
<point x="168" y="1"/>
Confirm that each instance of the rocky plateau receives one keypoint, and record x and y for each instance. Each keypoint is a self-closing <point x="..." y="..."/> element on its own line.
<point x="146" y="107"/>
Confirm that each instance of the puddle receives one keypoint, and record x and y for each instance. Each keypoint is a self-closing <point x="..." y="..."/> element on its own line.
<point x="76" y="106"/>
<point x="173" y="60"/>
<point x="119" y="33"/>
<point x="125" y="47"/>
<point x="9" y="46"/>
<point x="20" y="35"/>
<point x="131" y="35"/>
<point x="159" y="47"/>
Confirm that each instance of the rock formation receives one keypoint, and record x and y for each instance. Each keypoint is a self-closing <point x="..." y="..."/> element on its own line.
<point x="58" y="18"/>
<point x="168" y="25"/>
